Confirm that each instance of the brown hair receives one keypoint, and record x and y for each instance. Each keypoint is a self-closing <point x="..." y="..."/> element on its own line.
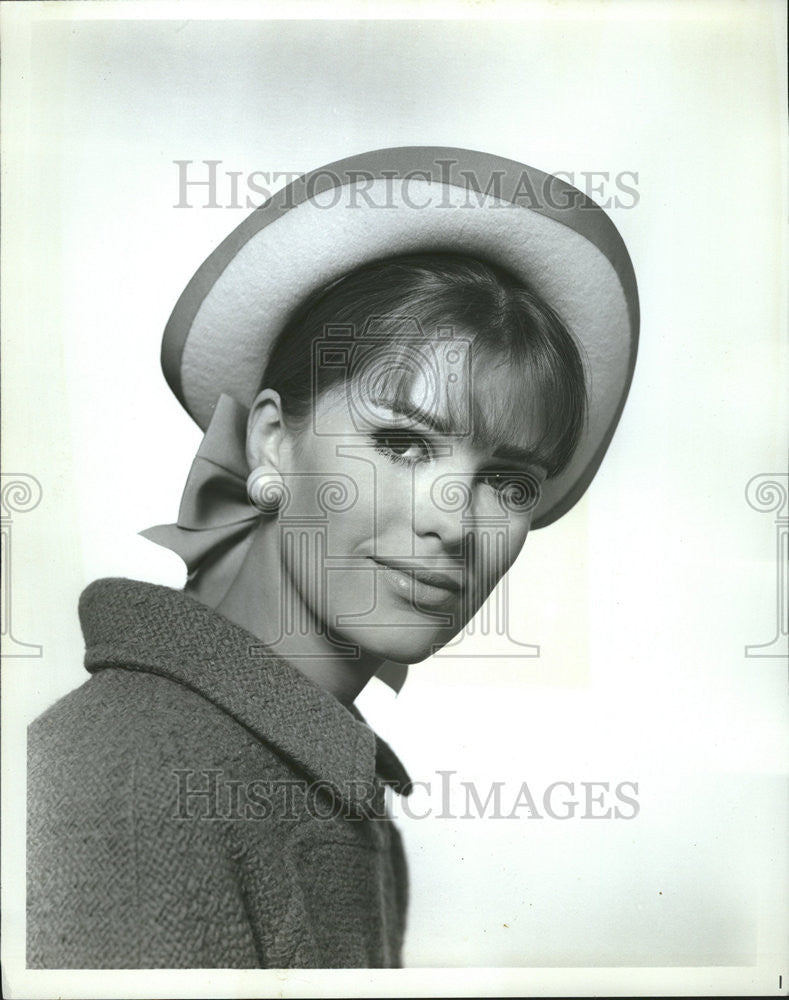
<point x="378" y="312"/>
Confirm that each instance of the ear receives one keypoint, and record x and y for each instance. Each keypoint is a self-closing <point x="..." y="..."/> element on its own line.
<point x="266" y="431"/>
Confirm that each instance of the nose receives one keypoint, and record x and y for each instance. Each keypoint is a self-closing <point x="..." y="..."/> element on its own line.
<point x="470" y="523"/>
<point x="443" y="509"/>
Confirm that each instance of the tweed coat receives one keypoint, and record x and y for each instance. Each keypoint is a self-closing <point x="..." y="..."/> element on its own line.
<point x="198" y="803"/>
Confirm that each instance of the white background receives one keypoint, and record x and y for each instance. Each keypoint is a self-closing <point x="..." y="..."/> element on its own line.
<point x="642" y="599"/>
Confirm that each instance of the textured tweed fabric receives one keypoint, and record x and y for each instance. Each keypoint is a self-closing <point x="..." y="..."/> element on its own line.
<point x="198" y="803"/>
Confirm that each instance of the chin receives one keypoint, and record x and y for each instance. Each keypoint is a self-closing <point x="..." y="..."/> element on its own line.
<point x="408" y="647"/>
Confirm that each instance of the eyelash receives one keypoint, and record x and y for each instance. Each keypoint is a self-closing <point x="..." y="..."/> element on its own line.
<point x="383" y="445"/>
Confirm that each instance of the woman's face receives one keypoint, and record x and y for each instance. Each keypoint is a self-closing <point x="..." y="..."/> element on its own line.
<point x="400" y="521"/>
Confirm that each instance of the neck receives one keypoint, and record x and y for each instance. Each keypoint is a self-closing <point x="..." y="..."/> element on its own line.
<point x="264" y="600"/>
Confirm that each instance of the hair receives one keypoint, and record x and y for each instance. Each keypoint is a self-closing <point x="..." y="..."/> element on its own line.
<point x="525" y="368"/>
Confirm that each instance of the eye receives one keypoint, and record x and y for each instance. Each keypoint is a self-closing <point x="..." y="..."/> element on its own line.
<point x="516" y="491"/>
<point x="402" y="446"/>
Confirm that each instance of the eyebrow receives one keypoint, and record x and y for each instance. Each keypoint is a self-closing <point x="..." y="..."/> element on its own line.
<point x="523" y="456"/>
<point x="431" y="420"/>
<point x="508" y="452"/>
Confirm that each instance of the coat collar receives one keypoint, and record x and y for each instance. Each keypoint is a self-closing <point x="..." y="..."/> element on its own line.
<point x="154" y="629"/>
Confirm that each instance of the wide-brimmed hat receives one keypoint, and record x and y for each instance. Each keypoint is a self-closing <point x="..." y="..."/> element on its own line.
<point x="402" y="200"/>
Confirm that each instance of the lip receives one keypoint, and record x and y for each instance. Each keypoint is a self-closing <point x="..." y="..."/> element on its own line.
<point x="417" y="583"/>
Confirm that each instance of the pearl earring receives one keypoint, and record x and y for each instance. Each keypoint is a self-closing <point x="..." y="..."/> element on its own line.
<point x="265" y="489"/>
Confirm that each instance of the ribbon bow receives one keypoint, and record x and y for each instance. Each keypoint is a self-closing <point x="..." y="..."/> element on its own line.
<point x="216" y="521"/>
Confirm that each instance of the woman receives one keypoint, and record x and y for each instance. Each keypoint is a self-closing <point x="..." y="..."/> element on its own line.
<point x="402" y="363"/>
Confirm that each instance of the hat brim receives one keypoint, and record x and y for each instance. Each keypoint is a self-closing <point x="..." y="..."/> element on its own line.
<point x="401" y="200"/>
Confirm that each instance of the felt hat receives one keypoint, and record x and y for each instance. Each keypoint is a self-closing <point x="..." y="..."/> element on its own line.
<point x="401" y="200"/>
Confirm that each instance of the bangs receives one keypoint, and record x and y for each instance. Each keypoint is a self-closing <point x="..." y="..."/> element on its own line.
<point x="497" y="366"/>
<point x="499" y="396"/>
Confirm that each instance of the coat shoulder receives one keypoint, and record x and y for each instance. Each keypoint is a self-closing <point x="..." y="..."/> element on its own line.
<point x="121" y="867"/>
<point x="124" y="727"/>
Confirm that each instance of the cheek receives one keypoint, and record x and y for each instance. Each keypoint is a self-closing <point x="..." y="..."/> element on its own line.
<point x="492" y="548"/>
<point x="519" y="530"/>
<point x="383" y="500"/>
<point x="342" y="503"/>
